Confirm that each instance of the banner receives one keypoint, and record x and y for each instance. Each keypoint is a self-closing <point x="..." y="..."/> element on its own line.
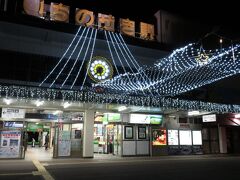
<point x="10" y="144"/>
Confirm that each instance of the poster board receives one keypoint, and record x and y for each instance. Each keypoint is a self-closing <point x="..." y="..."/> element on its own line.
<point x="64" y="143"/>
<point x="10" y="144"/>
<point x="159" y="137"/>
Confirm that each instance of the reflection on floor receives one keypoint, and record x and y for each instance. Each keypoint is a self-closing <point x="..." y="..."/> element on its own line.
<point x="106" y="156"/>
<point x="38" y="153"/>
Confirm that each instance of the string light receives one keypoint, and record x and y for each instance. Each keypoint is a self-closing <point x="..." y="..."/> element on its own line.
<point x="181" y="71"/>
<point x="89" y="96"/>
<point x="62" y="56"/>
<point x="76" y="58"/>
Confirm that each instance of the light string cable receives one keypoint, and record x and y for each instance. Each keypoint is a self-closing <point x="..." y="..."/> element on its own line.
<point x="83" y="60"/>
<point x="68" y="58"/>
<point x="135" y="64"/>
<point x="125" y="71"/>
<point x="62" y="56"/>
<point x="94" y="41"/>
<point x="202" y="75"/>
<point x="124" y="57"/>
<point x="133" y="58"/>
<point x="112" y="57"/>
<point x="77" y="59"/>
<point x="163" y="62"/>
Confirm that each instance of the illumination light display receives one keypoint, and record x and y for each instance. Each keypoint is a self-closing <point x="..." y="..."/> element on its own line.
<point x="185" y="69"/>
<point x="100" y="69"/>
<point x="26" y="93"/>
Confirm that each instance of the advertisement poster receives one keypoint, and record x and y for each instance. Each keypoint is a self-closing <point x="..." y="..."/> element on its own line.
<point x="172" y="137"/>
<point x="128" y="132"/>
<point x="159" y="137"/>
<point x="185" y="137"/>
<point x="141" y="132"/>
<point x="10" y="144"/>
<point x="64" y="143"/>
<point x="197" y="137"/>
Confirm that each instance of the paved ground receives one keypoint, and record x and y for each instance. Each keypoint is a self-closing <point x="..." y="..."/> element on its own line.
<point x="205" y="167"/>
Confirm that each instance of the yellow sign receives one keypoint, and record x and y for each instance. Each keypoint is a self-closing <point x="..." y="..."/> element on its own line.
<point x="146" y="31"/>
<point x="59" y="12"/>
<point x="106" y="22"/>
<point x="34" y="7"/>
<point x="127" y="27"/>
<point x="84" y="17"/>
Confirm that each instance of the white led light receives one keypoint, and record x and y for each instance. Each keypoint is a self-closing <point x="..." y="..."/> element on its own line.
<point x="122" y="108"/>
<point x="66" y="105"/>
<point x="39" y="103"/>
<point x="7" y="101"/>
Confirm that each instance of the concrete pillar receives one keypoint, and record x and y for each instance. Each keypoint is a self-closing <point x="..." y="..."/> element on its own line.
<point x="88" y="130"/>
<point x="222" y="139"/>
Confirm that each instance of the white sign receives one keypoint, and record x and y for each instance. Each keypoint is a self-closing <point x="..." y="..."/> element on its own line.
<point x="185" y="137"/>
<point x="139" y="119"/>
<point x="209" y="118"/>
<point x="197" y="137"/>
<point x="172" y="137"/>
<point x="13" y="113"/>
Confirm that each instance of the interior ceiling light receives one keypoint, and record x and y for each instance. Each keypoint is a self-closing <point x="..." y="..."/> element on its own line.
<point x="122" y="108"/>
<point x="7" y="101"/>
<point x="66" y="105"/>
<point x="39" y="103"/>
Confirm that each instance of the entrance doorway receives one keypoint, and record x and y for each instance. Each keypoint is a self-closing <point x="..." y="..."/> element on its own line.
<point x="107" y="133"/>
<point x="38" y="140"/>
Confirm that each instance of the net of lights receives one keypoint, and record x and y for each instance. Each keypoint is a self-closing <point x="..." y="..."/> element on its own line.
<point x="24" y="93"/>
<point x="185" y="69"/>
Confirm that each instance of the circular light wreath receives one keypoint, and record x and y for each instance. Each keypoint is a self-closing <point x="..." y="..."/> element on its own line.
<point x="100" y="69"/>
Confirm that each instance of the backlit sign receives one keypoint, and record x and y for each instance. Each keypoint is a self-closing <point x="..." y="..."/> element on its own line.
<point x="209" y="118"/>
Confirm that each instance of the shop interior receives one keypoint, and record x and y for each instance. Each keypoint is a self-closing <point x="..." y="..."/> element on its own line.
<point x="107" y="133"/>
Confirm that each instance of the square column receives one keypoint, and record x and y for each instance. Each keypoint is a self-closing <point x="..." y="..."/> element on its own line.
<point x="88" y="131"/>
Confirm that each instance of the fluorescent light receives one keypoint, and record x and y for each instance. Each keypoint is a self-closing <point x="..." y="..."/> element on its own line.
<point x="192" y="113"/>
<point x="237" y="115"/>
<point x="39" y="103"/>
<point x="57" y="112"/>
<point x="122" y="108"/>
<point x="7" y="101"/>
<point x="66" y="105"/>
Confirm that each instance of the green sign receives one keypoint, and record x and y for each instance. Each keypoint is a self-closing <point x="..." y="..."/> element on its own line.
<point x="34" y="127"/>
<point x="155" y="119"/>
<point x="112" y="117"/>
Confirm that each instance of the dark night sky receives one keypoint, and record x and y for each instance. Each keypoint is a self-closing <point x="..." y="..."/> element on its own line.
<point x="220" y="12"/>
<point x="225" y="15"/>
